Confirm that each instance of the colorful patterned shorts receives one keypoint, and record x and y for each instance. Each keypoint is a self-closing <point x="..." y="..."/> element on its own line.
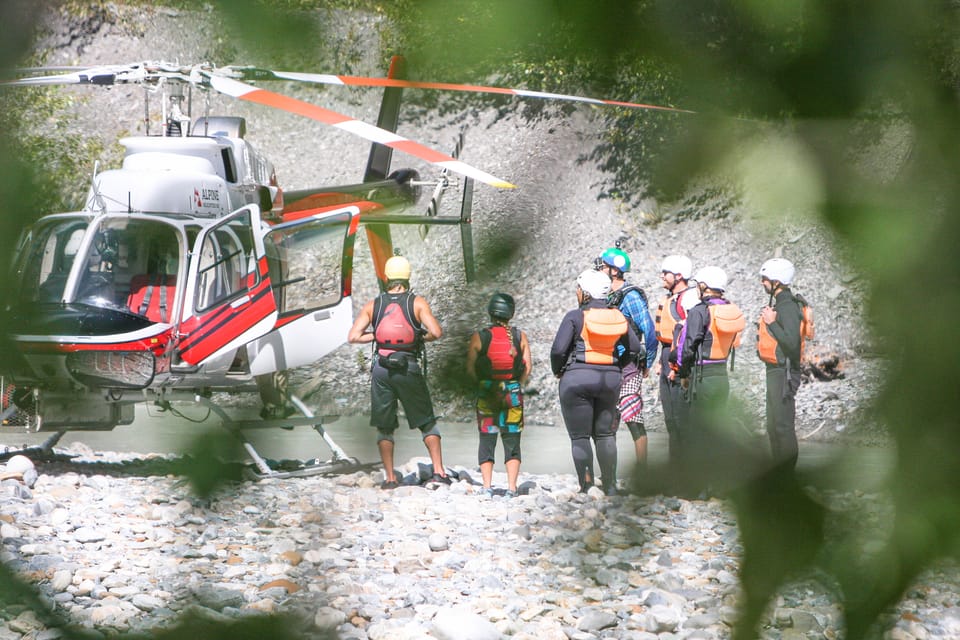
<point x="631" y="402"/>
<point x="499" y="406"/>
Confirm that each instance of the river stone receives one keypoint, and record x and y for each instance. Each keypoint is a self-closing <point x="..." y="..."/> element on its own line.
<point x="460" y="624"/>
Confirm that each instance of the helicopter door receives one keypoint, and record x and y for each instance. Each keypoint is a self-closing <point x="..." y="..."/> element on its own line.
<point x="311" y="264"/>
<point x="229" y="298"/>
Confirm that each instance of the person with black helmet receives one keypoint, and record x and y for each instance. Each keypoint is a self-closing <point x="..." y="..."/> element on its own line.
<point x="779" y="344"/>
<point x="402" y="321"/>
<point x="498" y="359"/>
<point x="632" y="303"/>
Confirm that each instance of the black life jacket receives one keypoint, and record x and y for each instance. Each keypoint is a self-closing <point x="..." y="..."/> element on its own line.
<point x="615" y="299"/>
<point x="395" y="327"/>
<point x="500" y="357"/>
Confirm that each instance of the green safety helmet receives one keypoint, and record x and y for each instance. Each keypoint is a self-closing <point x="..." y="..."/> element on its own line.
<point x="501" y="306"/>
<point x="617" y="258"/>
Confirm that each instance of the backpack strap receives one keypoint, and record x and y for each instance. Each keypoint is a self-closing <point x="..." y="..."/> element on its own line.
<point x="145" y="302"/>
<point x="162" y="283"/>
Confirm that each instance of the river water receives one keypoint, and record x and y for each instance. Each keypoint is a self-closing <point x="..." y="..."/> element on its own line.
<point x="546" y="449"/>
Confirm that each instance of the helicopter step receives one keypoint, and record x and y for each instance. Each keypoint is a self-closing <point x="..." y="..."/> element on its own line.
<point x="261" y="468"/>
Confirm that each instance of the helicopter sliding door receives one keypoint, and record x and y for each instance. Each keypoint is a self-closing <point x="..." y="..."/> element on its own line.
<point x="311" y="263"/>
<point x="229" y="299"/>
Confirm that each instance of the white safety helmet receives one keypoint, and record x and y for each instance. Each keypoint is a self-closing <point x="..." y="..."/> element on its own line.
<point x="397" y="268"/>
<point x="678" y="265"/>
<point x="594" y="283"/>
<point x="778" y="269"/>
<point x="713" y="277"/>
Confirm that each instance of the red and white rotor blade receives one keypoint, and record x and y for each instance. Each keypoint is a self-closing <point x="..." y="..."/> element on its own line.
<point x="359" y="81"/>
<point x="370" y="132"/>
<point x="91" y="75"/>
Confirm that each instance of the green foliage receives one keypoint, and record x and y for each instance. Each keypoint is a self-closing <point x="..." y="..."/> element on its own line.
<point x="833" y="78"/>
<point x="55" y="165"/>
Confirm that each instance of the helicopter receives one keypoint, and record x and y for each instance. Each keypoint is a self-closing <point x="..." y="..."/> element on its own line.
<point x="190" y="271"/>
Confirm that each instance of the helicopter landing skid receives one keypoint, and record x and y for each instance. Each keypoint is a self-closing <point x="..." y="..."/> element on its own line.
<point x="260" y="468"/>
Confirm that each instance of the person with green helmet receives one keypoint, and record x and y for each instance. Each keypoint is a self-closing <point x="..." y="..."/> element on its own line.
<point x="632" y="303"/>
<point x="401" y="321"/>
<point x="498" y="360"/>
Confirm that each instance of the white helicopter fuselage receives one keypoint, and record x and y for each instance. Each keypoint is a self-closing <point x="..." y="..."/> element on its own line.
<point x="188" y="175"/>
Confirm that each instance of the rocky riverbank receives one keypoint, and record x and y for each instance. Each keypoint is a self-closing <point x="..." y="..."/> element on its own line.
<point x="127" y="548"/>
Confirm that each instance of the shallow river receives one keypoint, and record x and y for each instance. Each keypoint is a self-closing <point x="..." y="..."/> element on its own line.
<point x="546" y="449"/>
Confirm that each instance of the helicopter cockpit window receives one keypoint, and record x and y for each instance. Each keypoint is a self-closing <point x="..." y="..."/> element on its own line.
<point x="129" y="260"/>
<point x="306" y="264"/>
<point x="227" y="263"/>
<point x="45" y="256"/>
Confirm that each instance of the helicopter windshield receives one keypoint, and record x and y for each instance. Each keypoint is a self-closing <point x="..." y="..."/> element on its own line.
<point x="45" y="256"/>
<point x="126" y="262"/>
<point x="110" y="263"/>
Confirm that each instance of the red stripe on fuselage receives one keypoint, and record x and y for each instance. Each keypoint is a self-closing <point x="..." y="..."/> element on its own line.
<point x="156" y="344"/>
<point x="207" y="333"/>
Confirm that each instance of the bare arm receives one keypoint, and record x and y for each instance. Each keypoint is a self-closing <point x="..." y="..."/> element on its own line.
<point x="358" y="332"/>
<point x="527" y="359"/>
<point x="473" y="350"/>
<point x="421" y="309"/>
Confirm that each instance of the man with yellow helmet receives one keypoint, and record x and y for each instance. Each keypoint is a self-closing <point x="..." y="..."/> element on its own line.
<point x="401" y="322"/>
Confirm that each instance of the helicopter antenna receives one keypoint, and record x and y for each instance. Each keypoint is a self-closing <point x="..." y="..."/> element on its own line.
<point x="97" y="198"/>
<point x="146" y="108"/>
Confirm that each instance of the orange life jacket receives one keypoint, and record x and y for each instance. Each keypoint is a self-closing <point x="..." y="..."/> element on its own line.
<point x="767" y="344"/>
<point x="665" y="323"/>
<point x="602" y="329"/>
<point x="726" y="327"/>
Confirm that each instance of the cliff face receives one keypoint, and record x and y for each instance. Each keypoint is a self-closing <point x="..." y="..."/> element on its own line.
<point x="550" y="228"/>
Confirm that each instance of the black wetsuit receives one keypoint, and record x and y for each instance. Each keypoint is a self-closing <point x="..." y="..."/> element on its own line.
<point x="588" y="397"/>
<point x="783" y="380"/>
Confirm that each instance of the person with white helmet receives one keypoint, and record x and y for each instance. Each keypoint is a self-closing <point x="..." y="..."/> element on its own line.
<point x="706" y="341"/>
<point x="401" y="322"/>
<point x="779" y="344"/>
<point x="675" y="272"/>
<point x="632" y="302"/>
<point x="590" y="344"/>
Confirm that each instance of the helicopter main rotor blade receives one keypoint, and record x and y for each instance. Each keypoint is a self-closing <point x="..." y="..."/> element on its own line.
<point x="106" y="75"/>
<point x="250" y="93"/>
<point x="250" y="73"/>
<point x="97" y="76"/>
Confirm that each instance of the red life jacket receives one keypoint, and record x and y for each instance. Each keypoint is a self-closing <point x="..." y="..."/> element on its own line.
<point x="602" y="329"/>
<point x="395" y="327"/>
<point x="500" y="356"/>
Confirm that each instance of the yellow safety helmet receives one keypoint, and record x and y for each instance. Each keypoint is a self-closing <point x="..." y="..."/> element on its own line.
<point x="397" y="268"/>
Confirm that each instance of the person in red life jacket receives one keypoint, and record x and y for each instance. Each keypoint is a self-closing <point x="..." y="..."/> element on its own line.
<point x="632" y="303"/>
<point x="402" y="321"/>
<point x="704" y="344"/>
<point x="584" y="355"/>
<point x="779" y="345"/>
<point x="675" y="272"/>
<point x="498" y="359"/>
